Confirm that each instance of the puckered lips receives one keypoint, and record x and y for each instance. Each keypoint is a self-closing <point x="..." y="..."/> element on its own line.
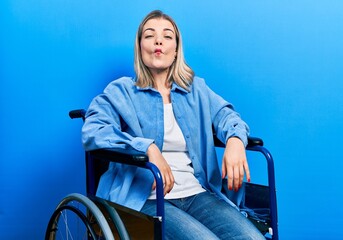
<point x="158" y="51"/>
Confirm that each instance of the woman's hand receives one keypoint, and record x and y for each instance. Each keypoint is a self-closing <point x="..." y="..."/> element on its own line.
<point x="155" y="157"/>
<point x="235" y="163"/>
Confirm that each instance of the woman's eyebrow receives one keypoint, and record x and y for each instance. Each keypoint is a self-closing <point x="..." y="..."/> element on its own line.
<point x="168" y="29"/>
<point x="152" y="29"/>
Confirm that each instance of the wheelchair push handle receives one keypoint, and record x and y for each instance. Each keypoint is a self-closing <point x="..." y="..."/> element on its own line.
<point x="78" y="113"/>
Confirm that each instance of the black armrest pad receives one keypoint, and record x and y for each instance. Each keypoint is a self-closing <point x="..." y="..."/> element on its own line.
<point x="252" y="141"/>
<point x="131" y="157"/>
<point x="78" y="113"/>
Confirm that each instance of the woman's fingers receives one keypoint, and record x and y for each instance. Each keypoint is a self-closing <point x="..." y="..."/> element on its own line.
<point x="247" y="170"/>
<point x="168" y="182"/>
<point x="234" y="177"/>
<point x="167" y="177"/>
<point x="230" y="177"/>
<point x="241" y="176"/>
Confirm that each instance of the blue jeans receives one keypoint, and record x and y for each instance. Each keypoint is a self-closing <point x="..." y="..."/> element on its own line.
<point x="203" y="216"/>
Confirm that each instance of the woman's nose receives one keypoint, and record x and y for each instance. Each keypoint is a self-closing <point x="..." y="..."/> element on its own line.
<point x="158" y="41"/>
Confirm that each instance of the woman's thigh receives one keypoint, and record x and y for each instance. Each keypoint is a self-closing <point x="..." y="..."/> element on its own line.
<point x="221" y="218"/>
<point x="178" y="223"/>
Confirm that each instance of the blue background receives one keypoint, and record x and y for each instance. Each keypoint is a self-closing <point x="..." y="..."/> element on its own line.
<point x="279" y="62"/>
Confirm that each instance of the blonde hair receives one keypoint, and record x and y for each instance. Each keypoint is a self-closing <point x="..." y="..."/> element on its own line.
<point x="179" y="72"/>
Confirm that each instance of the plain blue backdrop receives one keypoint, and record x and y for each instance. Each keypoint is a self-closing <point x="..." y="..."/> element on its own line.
<point x="279" y="62"/>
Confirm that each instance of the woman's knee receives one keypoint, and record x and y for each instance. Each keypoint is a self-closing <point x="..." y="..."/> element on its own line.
<point x="180" y="225"/>
<point x="223" y="219"/>
<point x="184" y="226"/>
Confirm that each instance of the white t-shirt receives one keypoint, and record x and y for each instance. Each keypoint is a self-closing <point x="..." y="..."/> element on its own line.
<point x="176" y="154"/>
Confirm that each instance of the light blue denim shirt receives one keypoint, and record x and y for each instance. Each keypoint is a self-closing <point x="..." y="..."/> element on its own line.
<point x="127" y="116"/>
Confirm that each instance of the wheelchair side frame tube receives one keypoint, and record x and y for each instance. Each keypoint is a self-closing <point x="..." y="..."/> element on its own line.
<point x="159" y="194"/>
<point x="272" y="187"/>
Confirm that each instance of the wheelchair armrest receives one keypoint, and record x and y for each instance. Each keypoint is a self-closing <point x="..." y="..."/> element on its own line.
<point x="78" y="113"/>
<point x="252" y="141"/>
<point x="125" y="156"/>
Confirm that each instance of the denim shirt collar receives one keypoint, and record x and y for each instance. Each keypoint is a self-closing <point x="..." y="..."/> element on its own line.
<point x="173" y="88"/>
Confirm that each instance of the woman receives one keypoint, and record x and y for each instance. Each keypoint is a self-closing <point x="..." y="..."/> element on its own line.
<point x="168" y="114"/>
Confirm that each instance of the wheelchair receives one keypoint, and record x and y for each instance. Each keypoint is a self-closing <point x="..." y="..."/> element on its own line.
<point x="90" y="217"/>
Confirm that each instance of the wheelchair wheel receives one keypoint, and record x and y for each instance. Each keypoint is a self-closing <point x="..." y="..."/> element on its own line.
<point x="113" y="218"/>
<point x="77" y="217"/>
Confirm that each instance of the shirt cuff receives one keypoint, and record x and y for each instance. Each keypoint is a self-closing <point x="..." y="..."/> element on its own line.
<point x="141" y="144"/>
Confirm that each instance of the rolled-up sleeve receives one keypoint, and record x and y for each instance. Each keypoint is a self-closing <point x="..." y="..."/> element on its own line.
<point x="226" y="121"/>
<point x="103" y="127"/>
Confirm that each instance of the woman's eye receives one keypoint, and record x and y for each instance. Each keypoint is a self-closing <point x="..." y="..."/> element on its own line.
<point x="168" y="37"/>
<point x="148" y="36"/>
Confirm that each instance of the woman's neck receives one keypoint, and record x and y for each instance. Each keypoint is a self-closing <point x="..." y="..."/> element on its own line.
<point x="162" y="84"/>
<point x="163" y="87"/>
<point x="160" y="77"/>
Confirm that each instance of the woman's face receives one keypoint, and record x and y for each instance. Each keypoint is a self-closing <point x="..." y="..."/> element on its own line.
<point x="158" y="44"/>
